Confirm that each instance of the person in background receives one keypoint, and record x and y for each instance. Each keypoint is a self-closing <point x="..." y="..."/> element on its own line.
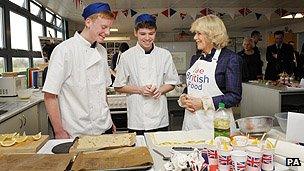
<point x="46" y="52"/>
<point x="252" y="63"/>
<point x="116" y="57"/>
<point x="146" y="73"/>
<point x="213" y="77"/>
<point x="256" y="36"/>
<point x="297" y="61"/>
<point x="78" y="74"/>
<point x="279" y="57"/>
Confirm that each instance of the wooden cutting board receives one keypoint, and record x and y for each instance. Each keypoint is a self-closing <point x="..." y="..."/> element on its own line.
<point x="34" y="162"/>
<point x="29" y="146"/>
<point x="137" y="158"/>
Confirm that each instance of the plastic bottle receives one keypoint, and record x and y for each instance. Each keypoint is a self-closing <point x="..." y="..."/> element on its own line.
<point x="221" y="122"/>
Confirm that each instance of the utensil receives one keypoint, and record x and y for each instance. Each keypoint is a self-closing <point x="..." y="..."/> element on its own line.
<point x="71" y="162"/>
<point x="182" y="148"/>
<point x="256" y="124"/>
<point x="161" y="154"/>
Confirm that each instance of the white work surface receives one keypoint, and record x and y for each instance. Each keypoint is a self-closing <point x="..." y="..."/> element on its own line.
<point x="142" y="141"/>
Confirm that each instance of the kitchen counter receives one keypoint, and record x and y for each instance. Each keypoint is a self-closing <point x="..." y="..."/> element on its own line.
<point x="261" y="99"/>
<point x="17" y="105"/>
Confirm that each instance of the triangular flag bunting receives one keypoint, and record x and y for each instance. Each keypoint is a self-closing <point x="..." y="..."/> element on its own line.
<point x="281" y="12"/>
<point x="206" y="11"/>
<point x="258" y="16"/>
<point x="133" y="12"/>
<point x="172" y="12"/>
<point x="166" y="13"/>
<point x="115" y="14"/>
<point x="182" y="15"/>
<point x="245" y="11"/>
<point x="125" y="12"/>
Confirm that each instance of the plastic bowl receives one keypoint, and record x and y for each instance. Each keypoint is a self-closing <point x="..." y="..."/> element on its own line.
<point x="282" y="119"/>
<point x="24" y="94"/>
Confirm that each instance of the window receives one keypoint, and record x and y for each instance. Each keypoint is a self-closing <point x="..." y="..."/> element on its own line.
<point x="59" y="34"/>
<point x="2" y="66"/>
<point x="1" y="29"/>
<point x="50" y="32"/>
<point x="21" y="3"/>
<point x="37" y="30"/>
<point x="49" y="17"/>
<point x="58" y="22"/>
<point x="20" y="64"/>
<point x="38" y="61"/>
<point x="35" y="9"/>
<point x="19" y="32"/>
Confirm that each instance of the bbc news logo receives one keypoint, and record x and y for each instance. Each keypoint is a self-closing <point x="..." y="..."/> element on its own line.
<point x="293" y="162"/>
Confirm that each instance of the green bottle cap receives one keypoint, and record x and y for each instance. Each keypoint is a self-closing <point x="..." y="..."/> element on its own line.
<point x="222" y="105"/>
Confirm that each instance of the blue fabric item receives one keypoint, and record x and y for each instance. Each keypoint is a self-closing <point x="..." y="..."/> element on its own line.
<point x="228" y="77"/>
<point x="95" y="8"/>
<point x="145" y="18"/>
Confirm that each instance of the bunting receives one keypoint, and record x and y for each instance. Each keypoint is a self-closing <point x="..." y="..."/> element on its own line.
<point x="281" y="12"/>
<point x="245" y="11"/>
<point x="166" y="13"/>
<point x="172" y="12"/>
<point x="221" y="15"/>
<point x="115" y="13"/>
<point x="206" y="11"/>
<point x="125" y="12"/>
<point x="133" y="12"/>
<point x="182" y="15"/>
<point x="77" y="3"/>
<point x="258" y="15"/>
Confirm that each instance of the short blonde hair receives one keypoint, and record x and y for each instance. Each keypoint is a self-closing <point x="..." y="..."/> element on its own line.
<point x="214" y="29"/>
<point x="249" y="40"/>
<point x="105" y="15"/>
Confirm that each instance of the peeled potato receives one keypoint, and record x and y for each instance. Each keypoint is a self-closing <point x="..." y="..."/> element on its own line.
<point x="37" y="136"/>
<point x="8" y="143"/>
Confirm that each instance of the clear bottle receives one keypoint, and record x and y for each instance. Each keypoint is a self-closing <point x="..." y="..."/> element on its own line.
<point x="221" y="122"/>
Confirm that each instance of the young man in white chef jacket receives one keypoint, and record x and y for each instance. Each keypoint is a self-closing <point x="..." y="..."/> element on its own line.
<point x="78" y="74"/>
<point x="146" y="73"/>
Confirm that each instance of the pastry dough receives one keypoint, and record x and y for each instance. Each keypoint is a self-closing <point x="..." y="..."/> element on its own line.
<point x="103" y="141"/>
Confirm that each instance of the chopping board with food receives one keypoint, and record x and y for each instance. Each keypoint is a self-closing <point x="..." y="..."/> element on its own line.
<point x="14" y="143"/>
<point x="125" y="158"/>
<point x="106" y="141"/>
<point x="32" y="162"/>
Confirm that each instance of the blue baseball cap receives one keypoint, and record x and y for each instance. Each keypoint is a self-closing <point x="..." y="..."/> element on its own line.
<point x="145" y="18"/>
<point x="95" y="8"/>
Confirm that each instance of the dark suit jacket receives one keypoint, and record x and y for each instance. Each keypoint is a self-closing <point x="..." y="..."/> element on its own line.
<point x="283" y="62"/>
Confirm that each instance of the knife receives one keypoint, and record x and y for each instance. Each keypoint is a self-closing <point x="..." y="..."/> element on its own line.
<point x="161" y="154"/>
<point x="183" y="148"/>
<point x="71" y="162"/>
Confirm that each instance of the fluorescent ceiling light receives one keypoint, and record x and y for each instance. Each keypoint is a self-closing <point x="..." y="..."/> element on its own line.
<point x="122" y="38"/>
<point x="287" y="16"/>
<point x="298" y="15"/>
<point x="113" y="29"/>
<point x="293" y="15"/>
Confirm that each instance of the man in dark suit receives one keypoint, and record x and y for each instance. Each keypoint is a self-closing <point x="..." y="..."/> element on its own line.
<point x="279" y="58"/>
<point x="256" y="36"/>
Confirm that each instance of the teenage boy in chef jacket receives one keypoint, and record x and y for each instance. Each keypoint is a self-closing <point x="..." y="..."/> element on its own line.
<point x="78" y="74"/>
<point x="146" y="73"/>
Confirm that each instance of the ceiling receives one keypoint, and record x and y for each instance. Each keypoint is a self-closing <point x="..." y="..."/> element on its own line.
<point x="174" y="23"/>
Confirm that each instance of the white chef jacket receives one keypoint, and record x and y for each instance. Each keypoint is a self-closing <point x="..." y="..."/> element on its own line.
<point x="79" y="75"/>
<point x="139" y="69"/>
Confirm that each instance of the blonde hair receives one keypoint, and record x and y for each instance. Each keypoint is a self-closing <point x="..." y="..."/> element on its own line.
<point x="249" y="40"/>
<point x="214" y="29"/>
<point x="105" y="15"/>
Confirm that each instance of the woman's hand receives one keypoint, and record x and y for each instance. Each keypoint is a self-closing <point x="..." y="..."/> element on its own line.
<point x="193" y="104"/>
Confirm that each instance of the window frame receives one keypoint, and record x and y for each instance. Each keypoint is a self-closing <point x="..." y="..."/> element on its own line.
<point x="7" y="52"/>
